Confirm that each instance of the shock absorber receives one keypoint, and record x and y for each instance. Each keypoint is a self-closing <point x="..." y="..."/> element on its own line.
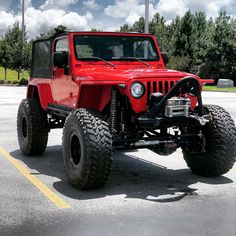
<point x="113" y="111"/>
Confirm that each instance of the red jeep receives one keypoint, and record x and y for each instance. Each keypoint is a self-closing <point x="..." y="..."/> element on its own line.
<point x="111" y="91"/>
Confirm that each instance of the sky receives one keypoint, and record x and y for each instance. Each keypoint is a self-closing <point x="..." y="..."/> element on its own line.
<point x="106" y="15"/>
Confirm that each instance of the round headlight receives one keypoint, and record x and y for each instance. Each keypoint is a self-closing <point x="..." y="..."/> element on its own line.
<point x="137" y="90"/>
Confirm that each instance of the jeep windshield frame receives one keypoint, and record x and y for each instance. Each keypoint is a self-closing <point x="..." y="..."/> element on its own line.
<point x="115" y="48"/>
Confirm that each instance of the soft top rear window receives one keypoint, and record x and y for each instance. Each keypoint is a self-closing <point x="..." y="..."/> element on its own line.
<point x="41" y="63"/>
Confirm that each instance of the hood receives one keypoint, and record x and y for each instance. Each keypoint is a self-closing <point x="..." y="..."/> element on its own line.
<point x="129" y="74"/>
<point x="155" y="73"/>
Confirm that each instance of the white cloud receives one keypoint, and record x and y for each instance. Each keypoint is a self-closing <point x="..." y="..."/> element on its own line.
<point x="169" y="11"/>
<point x="6" y="20"/>
<point x="212" y="7"/>
<point x="132" y="10"/>
<point x="121" y="9"/>
<point x="129" y="10"/>
<point x="57" y="4"/>
<point x="179" y="7"/>
<point x="91" y="5"/>
<point x="38" y="21"/>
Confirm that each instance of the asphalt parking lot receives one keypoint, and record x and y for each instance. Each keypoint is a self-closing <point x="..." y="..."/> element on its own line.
<point x="146" y="195"/>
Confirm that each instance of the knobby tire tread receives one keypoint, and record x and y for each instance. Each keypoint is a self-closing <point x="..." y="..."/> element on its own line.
<point x="220" y="153"/>
<point x="98" y="145"/>
<point x="37" y="128"/>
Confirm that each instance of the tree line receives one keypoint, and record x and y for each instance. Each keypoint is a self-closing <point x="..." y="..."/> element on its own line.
<point x="195" y="44"/>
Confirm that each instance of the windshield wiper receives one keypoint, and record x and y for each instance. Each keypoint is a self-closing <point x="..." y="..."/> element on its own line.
<point x="101" y="59"/>
<point x="137" y="59"/>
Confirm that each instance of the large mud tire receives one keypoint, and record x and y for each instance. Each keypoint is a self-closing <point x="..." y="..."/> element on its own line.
<point x="220" y="145"/>
<point x="87" y="149"/>
<point x="32" y="128"/>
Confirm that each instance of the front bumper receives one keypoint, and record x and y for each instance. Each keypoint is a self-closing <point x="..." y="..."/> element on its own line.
<point x="161" y="113"/>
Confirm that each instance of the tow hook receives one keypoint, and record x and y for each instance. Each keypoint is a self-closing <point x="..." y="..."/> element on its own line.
<point x="201" y="119"/>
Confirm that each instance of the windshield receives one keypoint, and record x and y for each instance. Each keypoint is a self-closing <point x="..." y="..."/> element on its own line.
<point x="88" y="47"/>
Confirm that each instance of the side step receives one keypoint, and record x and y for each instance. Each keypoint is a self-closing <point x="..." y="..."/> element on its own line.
<point x="59" y="110"/>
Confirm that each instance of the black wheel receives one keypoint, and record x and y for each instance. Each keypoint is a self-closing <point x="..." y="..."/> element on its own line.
<point x="218" y="152"/>
<point x="32" y="128"/>
<point x="87" y="149"/>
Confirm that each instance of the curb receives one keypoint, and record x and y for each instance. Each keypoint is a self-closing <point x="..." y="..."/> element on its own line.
<point x="218" y="91"/>
<point x="12" y="85"/>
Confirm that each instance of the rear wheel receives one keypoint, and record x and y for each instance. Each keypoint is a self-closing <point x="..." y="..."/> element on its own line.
<point x="87" y="149"/>
<point x="32" y="128"/>
<point x="217" y="150"/>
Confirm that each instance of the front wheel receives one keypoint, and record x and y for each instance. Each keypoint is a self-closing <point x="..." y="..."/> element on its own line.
<point x="87" y="149"/>
<point x="218" y="154"/>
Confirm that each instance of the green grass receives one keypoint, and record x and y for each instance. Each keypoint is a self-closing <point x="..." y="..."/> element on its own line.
<point x="12" y="74"/>
<point x="214" y="88"/>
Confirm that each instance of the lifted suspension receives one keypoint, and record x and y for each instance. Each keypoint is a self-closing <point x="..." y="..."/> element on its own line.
<point x="113" y="111"/>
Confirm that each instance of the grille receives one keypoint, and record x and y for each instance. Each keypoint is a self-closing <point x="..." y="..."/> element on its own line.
<point x="159" y="86"/>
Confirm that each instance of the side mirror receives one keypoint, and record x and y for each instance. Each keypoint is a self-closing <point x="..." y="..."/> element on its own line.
<point x="165" y="57"/>
<point x="60" y="59"/>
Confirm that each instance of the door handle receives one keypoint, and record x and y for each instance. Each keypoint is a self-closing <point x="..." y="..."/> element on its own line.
<point x="54" y="70"/>
<point x="72" y="77"/>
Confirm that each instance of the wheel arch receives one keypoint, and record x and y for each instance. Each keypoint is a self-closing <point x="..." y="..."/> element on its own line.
<point x="41" y="94"/>
<point x="94" y="96"/>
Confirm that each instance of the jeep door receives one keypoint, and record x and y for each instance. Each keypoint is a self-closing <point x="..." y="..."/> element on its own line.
<point x="61" y="76"/>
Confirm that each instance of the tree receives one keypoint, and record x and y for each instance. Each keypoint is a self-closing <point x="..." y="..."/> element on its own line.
<point x="204" y="31"/>
<point x="178" y="40"/>
<point x="222" y="55"/>
<point x="16" y="57"/>
<point x="95" y="30"/>
<point x="13" y="39"/>
<point x="184" y="38"/>
<point x="138" y="26"/>
<point x="28" y="55"/>
<point x="125" y="28"/>
<point x="54" y="30"/>
<point x="172" y="31"/>
<point x="158" y="27"/>
<point x="4" y="56"/>
<point x="201" y="38"/>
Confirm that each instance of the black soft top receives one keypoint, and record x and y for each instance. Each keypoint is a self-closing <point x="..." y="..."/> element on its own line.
<point x="42" y="56"/>
<point x="52" y="37"/>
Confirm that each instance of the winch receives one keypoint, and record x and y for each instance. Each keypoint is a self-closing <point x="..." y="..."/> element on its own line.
<point x="176" y="106"/>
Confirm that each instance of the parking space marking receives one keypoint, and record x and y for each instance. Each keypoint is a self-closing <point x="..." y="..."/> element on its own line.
<point x="53" y="197"/>
<point x="7" y="139"/>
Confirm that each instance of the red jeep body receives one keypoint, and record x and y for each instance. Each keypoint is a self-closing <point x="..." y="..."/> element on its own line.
<point x="88" y="84"/>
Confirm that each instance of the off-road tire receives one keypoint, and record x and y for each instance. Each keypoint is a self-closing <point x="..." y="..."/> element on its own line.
<point x="87" y="149"/>
<point x="32" y="128"/>
<point x="220" y="145"/>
